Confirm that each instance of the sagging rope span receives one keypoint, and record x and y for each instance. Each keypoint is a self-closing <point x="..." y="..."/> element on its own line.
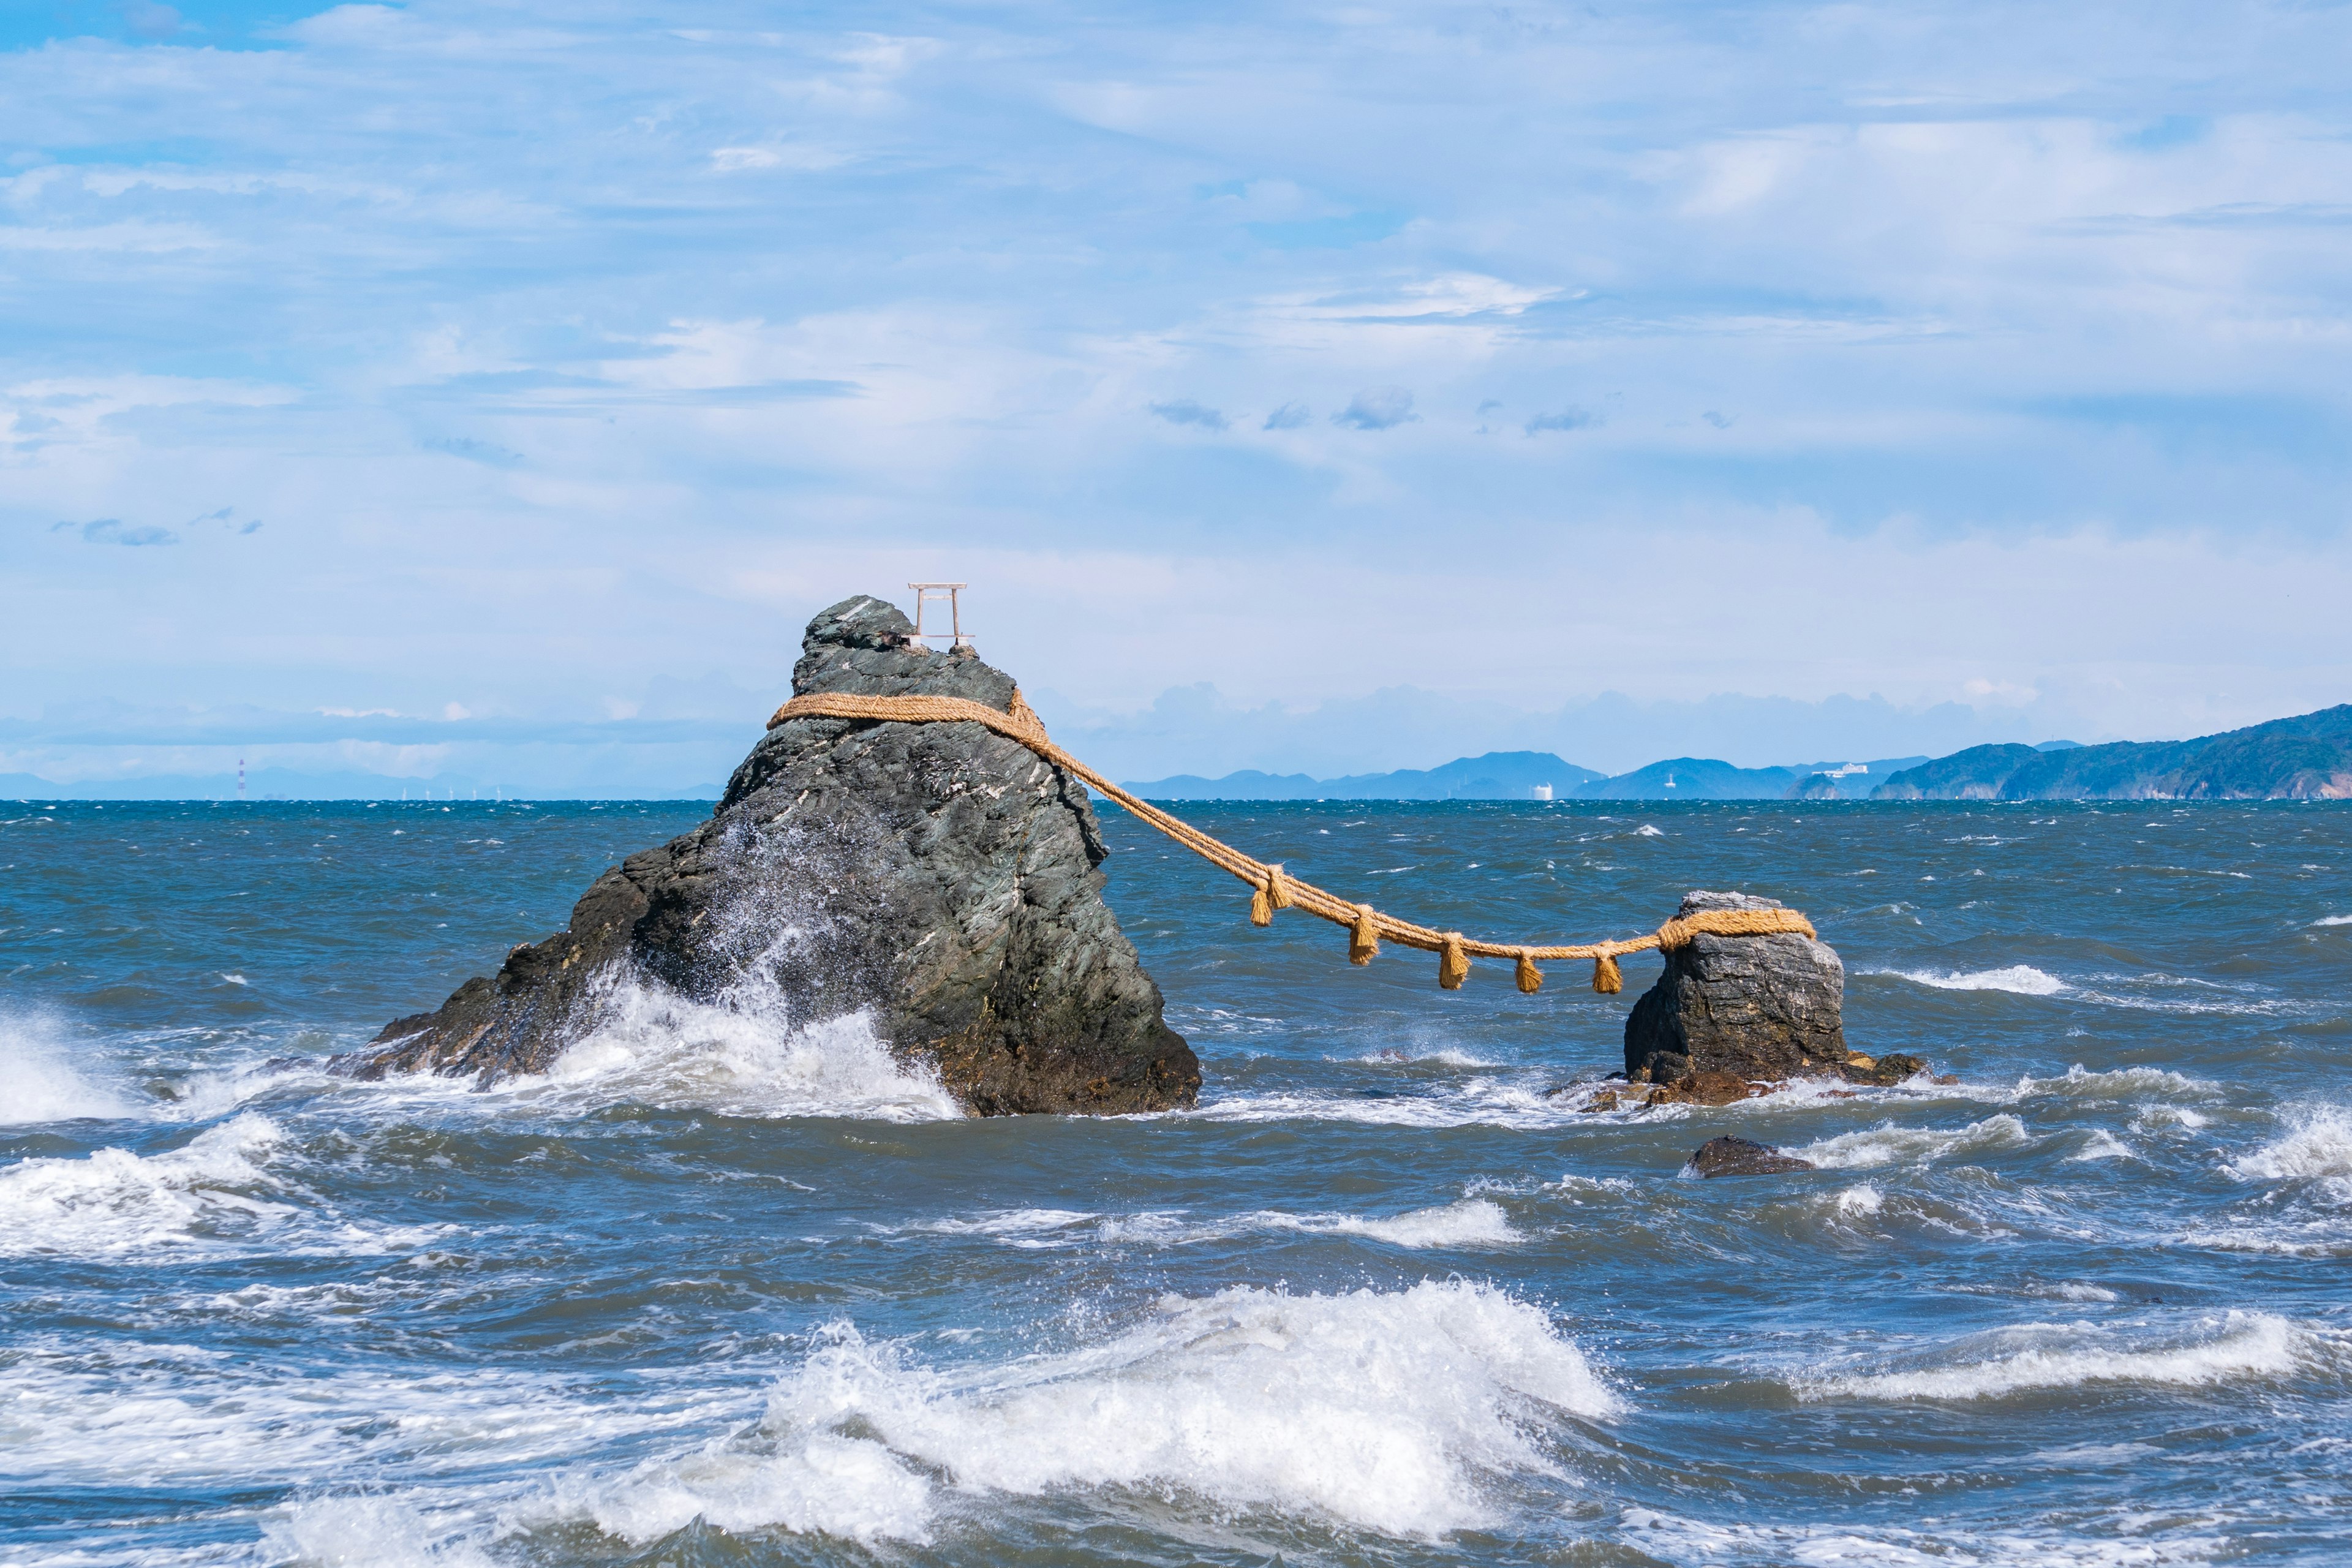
<point x="1274" y="889"/>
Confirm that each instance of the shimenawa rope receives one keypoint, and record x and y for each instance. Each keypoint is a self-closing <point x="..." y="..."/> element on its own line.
<point x="1273" y="888"/>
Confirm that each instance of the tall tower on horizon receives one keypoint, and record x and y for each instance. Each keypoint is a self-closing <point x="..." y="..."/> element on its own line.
<point x="240" y="778"/>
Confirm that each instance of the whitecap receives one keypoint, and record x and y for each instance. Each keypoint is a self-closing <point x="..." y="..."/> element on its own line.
<point x="113" y="1201"/>
<point x="2101" y="1146"/>
<point x="1857" y="1202"/>
<point x="1385" y="1410"/>
<point x="2332" y="920"/>
<point x="2317" y="1147"/>
<point x="2018" y="979"/>
<point x="2079" y="1082"/>
<point x="1887" y="1144"/>
<point x="2234" y="1346"/>
<point x="1473" y="1222"/>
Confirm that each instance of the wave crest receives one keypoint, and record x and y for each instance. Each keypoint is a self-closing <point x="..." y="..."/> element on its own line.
<point x="1381" y="1409"/>
<point x="2044" y="1355"/>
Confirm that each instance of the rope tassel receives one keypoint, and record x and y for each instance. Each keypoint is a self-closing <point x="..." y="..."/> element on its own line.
<point x="1452" y="964"/>
<point x="1605" y="976"/>
<point x="1364" y="936"/>
<point x="1530" y="977"/>
<point x="1271" y="894"/>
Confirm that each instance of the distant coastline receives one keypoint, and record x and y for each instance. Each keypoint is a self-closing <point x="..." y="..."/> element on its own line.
<point x="2308" y="757"/>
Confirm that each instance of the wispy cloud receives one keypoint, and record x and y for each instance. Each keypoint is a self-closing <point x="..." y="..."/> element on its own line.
<point x="1184" y="411"/>
<point x="1376" y="408"/>
<point x="115" y="531"/>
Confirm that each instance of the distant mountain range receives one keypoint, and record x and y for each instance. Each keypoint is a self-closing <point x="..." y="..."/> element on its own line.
<point x="2305" y="758"/>
<point x="1539" y="775"/>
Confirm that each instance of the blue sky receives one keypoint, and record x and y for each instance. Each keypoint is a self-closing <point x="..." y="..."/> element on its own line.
<point x="490" y="391"/>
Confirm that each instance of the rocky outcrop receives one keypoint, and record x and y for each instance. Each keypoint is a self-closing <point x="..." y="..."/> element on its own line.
<point x="940" y="876"/>
<point x="1742" y="1157"/>
<point x="1753" y="1007"/>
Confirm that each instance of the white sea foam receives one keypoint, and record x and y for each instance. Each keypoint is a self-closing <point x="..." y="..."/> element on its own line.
<point x="113" y="1201"/>
<point x="2235" y="1346"/>
<point x="1887" y="1144"/>
<point x="1384" y="1410"/>
<point x="39" y="1080"/>
<point x="652" y="1047"/>
<point x="216" y="1192"/>
<point x="2079" y="1082"/>
<point x="1479" y="1102"/>
<point x="2317" y="1147"/>
<point x="132" y="1413"/>
<point x="2332" y="920"/>
<point x="1663" y="1537"/>
<point x="371" y="1532"/>
<point x="1647" y="831"/>
<point x="2018" y="979"/>
<point x="1473" y="1222"/>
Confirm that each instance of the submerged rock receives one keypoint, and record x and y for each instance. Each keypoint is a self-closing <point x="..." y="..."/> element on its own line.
<point x="939" y="876"/>
<point x="1742" y="1157"/>
<point x="1768" y="1007"/>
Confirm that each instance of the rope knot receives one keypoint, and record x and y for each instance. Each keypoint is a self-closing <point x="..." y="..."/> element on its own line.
<point x="1607" y="978"/>
<point x="1364" y="936"/>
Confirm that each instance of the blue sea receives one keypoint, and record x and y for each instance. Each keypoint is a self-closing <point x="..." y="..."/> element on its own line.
<point x="732" y="1286"/>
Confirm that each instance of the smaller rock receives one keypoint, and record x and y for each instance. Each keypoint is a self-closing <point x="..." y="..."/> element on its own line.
<point x="1605" y="1101"/>
<point x="1885" y="1072"/>
<point x="1716" y="1087"/>
<point x="1742" y="1157"/>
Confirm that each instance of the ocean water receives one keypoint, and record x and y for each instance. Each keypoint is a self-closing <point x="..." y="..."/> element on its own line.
<point x="729" y="1287"/>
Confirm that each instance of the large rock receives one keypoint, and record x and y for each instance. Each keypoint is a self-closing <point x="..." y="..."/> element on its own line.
<point x="1757" y="1006"/>
<point x="937" y="874"/>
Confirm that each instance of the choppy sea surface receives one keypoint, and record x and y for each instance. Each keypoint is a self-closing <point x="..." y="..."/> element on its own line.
<point x="729" y="1287"/>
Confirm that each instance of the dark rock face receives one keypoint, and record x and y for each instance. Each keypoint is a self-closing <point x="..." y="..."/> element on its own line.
<point x="939" y="874"/>
<point x="1764" y="1007"/>
<point x="1742" y="1157"/>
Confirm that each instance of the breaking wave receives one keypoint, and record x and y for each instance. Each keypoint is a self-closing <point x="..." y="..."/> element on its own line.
<point x="2018" y="979"/>
<point x="2317" y="1147"/>
<point x="215" y="1191"/>
<point x="113" y="1201"/>
<point x="1887" y="1144"/>
<point x="1473" y="1222"/>
<point x="1384" y="1410"/>
<point x="654" y="1048"/>
<point x="2237" y="1345"/>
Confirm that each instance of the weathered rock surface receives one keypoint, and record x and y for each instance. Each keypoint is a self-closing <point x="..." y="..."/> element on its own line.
<point x="1743" y="1157"/>
<point x="1768" y="1007"/>
<point x="1885" y="1072"/>
<point x="939" y="875"/>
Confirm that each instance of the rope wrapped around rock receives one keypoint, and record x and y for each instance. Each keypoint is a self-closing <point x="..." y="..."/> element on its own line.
<point x="1273" y="888"/>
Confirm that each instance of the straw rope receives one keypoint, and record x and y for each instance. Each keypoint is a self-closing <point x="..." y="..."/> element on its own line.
<point x="1272" y="887"/>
